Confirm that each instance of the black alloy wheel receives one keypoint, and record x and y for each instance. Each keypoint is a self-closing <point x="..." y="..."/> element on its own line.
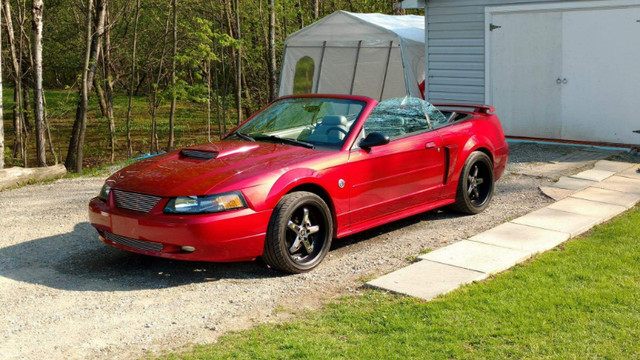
<point x="476" y="184"/>
<point x="299" y="234"/>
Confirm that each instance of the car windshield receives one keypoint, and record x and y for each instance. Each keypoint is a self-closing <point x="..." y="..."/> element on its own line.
<point x="310" y="122"/>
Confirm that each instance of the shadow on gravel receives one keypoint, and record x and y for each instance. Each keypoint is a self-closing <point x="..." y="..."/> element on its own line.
<point x="433" y="215"/>
<point x="78" y="261"/>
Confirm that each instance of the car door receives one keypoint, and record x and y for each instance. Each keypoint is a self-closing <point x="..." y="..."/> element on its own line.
<point x="406" y="172"/>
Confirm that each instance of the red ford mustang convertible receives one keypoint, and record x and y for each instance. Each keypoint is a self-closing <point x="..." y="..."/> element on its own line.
<point x="301" y="172"/>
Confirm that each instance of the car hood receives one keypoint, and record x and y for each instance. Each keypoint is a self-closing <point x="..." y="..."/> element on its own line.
<point x="174" y="174"/>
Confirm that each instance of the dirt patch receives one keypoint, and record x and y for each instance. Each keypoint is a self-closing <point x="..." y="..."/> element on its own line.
<point x="64" y="294"/>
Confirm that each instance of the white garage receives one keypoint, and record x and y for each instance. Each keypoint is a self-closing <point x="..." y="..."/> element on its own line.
<point x="565" y="70"/>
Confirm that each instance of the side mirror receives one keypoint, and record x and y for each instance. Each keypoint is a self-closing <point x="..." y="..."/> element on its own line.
<point x="374" y="139"/>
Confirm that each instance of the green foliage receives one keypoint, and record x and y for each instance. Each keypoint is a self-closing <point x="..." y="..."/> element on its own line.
<point x="207" y="46"/>
<point x="580" y="302"/>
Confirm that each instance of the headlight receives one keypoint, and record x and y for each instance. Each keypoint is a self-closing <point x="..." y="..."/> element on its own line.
<point x="205" y="204"/>
<point x="104" y="192"/>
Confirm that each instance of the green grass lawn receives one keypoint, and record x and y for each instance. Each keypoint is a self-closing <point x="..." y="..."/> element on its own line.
<point x="581" y="301"/>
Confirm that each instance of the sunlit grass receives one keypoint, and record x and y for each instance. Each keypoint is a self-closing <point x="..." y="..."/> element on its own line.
<point x="190" y="126"/>
<point x="578" y="302"/>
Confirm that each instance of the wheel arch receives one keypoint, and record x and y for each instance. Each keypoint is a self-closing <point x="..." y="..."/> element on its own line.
<point x="322" y="193"/>
<point x="302" y="180"/>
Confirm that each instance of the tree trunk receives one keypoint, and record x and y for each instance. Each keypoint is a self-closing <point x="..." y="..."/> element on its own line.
<point x="1" y="107"/>
<point x="133" y="77"/>
<point x="316" y="9"/>
<point x="19" y="146"/>
<point x="102" y="101"/>
<point x="38" y="107"/>
<point x="26" y="104"/>
<point x="17" y="175"/>
<point x="208" y="73"/>
<point x="74" y="158"/>
<point x="26" y="63"/>
<point x="239" y="65"/>
<point x="108" y="77"/>
<point x="224" y="93"/>
<point x="46" y="124"/>
<point x="155" y="103"/>
<point x="215" y="72"/>
<point x="172" y="113"/>
<point x="272" y="51"/>
<point x="300" y="15"/>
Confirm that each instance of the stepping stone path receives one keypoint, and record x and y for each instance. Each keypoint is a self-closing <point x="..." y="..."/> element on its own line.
<point x="573" y="161"/>
<point x="588" y="199"/>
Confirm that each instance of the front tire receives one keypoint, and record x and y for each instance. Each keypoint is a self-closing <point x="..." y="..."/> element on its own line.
<point x="476" y="184"/>
<point x="299" y="233"/>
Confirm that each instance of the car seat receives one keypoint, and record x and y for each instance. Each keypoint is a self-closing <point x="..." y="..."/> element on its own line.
<point x="332" y="129"/>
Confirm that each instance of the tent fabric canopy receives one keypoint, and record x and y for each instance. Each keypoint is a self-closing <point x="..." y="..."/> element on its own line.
<point x="374" y="55"/>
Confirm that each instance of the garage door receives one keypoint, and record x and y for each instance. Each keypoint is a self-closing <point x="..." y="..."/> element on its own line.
<point x="570" y="74"/>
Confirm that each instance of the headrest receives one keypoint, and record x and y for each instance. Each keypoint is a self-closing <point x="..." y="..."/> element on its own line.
<point x="334" y="120"/>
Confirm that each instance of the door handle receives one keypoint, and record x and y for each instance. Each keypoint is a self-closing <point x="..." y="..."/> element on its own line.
<point x="430" y="145"/>
<point x="558" y="81"/>
<point x="564" y="81"/>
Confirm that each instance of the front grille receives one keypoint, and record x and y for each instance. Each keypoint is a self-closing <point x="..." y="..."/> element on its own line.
<point x="134" y="201"/>
<point x="198" y="154"/>
<point x="137" y="244"/>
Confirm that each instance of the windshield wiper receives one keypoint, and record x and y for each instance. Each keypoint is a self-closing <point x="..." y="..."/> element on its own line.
<point x="244" y="136"/>
<point x="285" y="140"/>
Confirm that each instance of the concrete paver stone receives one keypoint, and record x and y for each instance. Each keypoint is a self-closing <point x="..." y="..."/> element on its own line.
<point x="556" y="193"/>
<point x="615" y="166"/>
<point x="570" y="183"/>
<point x="599" y="210"/>
<point x="587" y="199"/>
<point x="426" y="279"/>
<point x="631" y="173"/>
<point x="522" y="237"/>
<point x="558" y="220"/>
<point x="477" y="256"/>
<point x="620" y="183"/>
<point x="593" y="175"/>
<point x="608" y="196"/>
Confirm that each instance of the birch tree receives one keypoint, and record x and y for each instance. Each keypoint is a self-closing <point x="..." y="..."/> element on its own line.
<point x="1" y="108"/>
<point x="133" y="78"/>
<point x="38" y="109"/>
<point x="272" y="51"/>
<point x="19" y="149"/>
<point x="172" y="113"/>
<point x="316" y="9"/>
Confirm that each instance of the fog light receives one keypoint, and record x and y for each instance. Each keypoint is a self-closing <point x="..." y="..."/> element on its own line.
<point x="188" y="249"/>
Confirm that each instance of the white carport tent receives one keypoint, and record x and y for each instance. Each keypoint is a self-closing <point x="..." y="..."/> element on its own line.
<point x="375" y="55"/>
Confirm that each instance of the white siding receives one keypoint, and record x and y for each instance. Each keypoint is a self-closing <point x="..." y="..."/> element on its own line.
<point x="456" y="48"/>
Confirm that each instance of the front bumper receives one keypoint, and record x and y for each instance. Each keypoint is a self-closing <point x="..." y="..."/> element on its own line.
<point x="236" y="235"/>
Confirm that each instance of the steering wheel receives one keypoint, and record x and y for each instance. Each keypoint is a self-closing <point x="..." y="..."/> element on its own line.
<point x="335" y="128"/>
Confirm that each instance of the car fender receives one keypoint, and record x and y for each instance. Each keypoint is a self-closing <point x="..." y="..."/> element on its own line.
<point x="474" y="143"/>
<point x="288" y="181"/>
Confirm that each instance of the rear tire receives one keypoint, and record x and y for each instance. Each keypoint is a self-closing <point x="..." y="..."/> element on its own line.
<point x="299" y="233"/>
<point x="476" y="184"/>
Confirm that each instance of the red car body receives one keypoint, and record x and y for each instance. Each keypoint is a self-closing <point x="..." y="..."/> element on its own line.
<point x="405" y="177"/>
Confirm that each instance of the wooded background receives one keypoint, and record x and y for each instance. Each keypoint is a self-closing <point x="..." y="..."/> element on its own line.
<point x="89" y="82"/>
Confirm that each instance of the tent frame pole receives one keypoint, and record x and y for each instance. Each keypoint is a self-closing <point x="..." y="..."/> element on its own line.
<point x="355" y="68"/>
<point x="324" y="47"/>
<point x="386" y="70"/>
<point x="284" y="59"/>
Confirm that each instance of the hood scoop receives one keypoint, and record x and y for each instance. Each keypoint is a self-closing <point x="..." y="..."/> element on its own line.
<point x="198" y="154"/>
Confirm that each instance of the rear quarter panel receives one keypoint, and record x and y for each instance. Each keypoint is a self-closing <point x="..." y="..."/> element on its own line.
<point x="481" y="132"/>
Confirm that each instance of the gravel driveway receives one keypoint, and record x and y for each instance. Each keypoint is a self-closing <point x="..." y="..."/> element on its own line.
<point x="64" y="294"/>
